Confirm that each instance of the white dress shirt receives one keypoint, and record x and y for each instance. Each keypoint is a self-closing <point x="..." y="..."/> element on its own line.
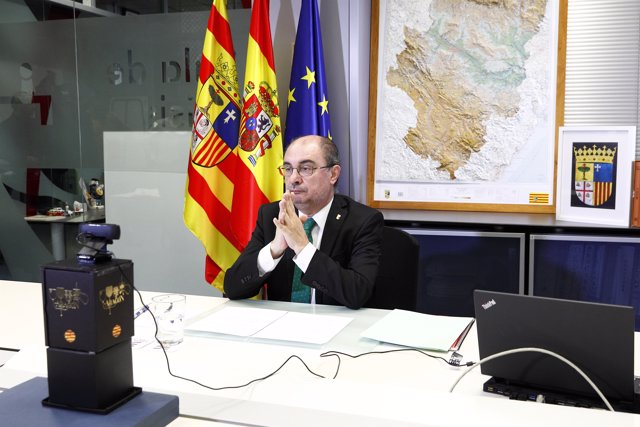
<point x="267" y="263"/>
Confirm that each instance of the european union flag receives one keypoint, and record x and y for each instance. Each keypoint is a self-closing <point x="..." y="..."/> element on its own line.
<point x="308" y="104"/>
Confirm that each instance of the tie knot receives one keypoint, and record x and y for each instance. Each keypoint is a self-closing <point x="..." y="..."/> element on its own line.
<point x="308" y="224"/>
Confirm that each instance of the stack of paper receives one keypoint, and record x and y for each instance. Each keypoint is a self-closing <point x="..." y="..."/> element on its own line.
<point x="418" y="330"/>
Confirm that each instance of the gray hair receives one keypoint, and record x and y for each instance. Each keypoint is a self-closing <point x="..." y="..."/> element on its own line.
<point x="328" y="147"/>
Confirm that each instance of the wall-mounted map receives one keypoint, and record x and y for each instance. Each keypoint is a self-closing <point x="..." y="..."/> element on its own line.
<point x="464" y="104"/>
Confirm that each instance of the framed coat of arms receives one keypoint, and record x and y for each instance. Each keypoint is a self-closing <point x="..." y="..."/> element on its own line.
<point x="594" y="174"/>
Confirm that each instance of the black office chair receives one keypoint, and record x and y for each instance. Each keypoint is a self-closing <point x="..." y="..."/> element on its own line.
<point x="397" y="282"/>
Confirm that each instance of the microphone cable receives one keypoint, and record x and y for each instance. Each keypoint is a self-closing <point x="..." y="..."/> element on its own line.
<point x="453" y="361"/>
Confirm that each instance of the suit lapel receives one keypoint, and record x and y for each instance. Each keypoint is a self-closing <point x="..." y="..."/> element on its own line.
<point x="337" y="215"/>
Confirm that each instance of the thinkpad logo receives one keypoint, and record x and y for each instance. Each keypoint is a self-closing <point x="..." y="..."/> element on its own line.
<point x="489" y="304"/>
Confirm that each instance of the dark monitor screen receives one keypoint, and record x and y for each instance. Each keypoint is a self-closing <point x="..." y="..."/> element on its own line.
<point x="602" y="269"/>
<point x="453" y="263"/>
<point x="598" y="338"/>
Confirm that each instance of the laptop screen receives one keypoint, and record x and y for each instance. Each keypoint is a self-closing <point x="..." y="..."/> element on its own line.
<point x="598" y="338"/>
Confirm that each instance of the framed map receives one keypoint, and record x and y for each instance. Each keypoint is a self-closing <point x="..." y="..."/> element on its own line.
<point x="465" y="101"/>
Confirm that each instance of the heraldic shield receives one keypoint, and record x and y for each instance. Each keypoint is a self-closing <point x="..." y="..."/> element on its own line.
<point x="215" y="122"/>
<point x="594" y="171"/>
<point x="257" y="127"/>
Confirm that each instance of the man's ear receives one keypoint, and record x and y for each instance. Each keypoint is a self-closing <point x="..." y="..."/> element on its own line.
<point x="335" y="173"/>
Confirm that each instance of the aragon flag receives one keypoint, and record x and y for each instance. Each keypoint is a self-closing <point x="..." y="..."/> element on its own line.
<point x="308" y="105"/>
<point x="210" y="189"/>
<point x="260" y="146"/>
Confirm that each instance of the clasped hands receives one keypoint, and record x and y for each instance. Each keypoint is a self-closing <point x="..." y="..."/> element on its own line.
<point x="289" y="230"/>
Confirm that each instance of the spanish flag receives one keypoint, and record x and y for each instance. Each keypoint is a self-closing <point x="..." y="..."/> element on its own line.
<point x="212" y="189"/>
<point x="260" y="146"/>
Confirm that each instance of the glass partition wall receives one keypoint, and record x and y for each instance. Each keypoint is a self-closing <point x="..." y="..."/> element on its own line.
<point x="71" y="71"/>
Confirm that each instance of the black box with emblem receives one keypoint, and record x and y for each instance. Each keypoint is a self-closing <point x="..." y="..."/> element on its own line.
<point x="88" y="319"/>
<point x="88" y="307"/>
<point x="91" y="382"/>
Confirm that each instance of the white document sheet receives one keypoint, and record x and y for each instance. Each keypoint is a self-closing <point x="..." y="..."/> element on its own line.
<point x="307" y="328"/>
<point x="239" y="321"/>
<point x="272" y="324"/>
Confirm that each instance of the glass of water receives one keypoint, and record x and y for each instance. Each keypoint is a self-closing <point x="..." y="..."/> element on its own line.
<point x="169" y="311"/>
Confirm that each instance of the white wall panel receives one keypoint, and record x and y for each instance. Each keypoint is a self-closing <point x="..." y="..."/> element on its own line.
<point x="602" y="69"/>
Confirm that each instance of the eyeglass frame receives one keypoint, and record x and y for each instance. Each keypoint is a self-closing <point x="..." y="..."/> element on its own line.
<point x="282" y="170"/>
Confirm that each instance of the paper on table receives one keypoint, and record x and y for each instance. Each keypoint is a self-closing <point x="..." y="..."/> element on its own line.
<point x="308" y="328"/>
<point x="272" y="324"/>
<point x="418" y="330"/>
<point x="240" y="321"/>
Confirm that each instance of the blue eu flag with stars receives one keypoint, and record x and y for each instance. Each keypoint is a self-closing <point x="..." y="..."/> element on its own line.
<point x="308" y="102"/>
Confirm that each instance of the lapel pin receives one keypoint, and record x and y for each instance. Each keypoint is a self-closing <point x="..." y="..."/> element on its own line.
<point x="338" y="216"/>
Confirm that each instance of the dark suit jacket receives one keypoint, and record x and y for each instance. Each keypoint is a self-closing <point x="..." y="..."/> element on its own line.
<point x="343" y="271"/>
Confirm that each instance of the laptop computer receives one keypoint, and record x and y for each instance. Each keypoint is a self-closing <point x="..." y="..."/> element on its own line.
<point x="598" y="338"/>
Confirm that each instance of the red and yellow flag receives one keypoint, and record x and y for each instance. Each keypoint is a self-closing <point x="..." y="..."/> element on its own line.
<point x="260" y="145"/>
<point x="224" y="187"/>
<point x="216" y="120"/>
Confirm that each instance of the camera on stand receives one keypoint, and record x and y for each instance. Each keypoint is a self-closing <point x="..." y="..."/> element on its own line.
<point x="94" y="239"/>
<point x="88" y="305"/>
<point x="88" y="320"/>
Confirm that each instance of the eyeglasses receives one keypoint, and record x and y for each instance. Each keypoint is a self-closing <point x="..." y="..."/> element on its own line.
<point x="305" y="170"/>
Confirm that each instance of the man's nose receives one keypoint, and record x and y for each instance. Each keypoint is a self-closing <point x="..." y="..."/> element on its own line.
<point x="295" y="176"/>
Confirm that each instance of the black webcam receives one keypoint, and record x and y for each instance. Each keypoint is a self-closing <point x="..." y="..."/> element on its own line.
<point x="94" y="239"/>
<point x="109" y="232"/>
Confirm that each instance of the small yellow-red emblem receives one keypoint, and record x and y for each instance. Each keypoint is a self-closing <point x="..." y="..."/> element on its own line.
<point x="69" y="336"/>
<point x="116" y="331"/>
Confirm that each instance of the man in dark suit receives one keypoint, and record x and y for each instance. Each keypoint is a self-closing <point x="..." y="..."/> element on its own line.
<point x="338" y="264"/>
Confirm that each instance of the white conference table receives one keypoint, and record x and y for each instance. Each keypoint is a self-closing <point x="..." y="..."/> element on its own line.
<point x="399" y="389"/>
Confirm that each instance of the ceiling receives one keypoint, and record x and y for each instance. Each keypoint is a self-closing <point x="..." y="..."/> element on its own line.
<point x="145" y="7"/>
<point x="65" y="9"/>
